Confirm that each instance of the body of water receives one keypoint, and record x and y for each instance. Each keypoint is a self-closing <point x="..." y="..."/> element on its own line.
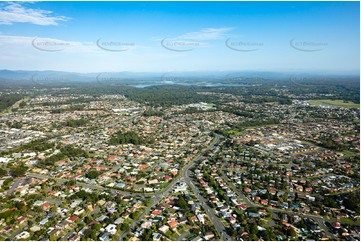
<point x="195" y="84"/>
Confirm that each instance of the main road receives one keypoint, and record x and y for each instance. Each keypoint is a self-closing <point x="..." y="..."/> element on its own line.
<point x="184" y="174"/>
<point x="221" y="229"/>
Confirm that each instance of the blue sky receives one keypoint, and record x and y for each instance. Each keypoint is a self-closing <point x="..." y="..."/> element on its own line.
<point x="180" y="36"/>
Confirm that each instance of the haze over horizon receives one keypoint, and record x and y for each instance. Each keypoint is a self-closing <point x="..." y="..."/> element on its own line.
<point x="90" y="37"/>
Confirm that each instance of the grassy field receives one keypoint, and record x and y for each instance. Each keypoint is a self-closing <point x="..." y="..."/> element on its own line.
<point x="338" y="103"/>
<point x="348" y="153"/>
<point x="210" y="105"/>
<point x="235" y="132"/>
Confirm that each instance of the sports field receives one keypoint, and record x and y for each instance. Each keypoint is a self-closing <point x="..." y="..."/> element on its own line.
<point x="338" y="103"/>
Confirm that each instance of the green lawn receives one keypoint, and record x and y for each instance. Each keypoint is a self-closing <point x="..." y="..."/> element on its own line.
<point x="210" y="105"/>
<point x="171" y="235"/>
<point x="235" y="132"/>
<point x="348" y="153"/>
<point x="338" y="103"/>
<point x="350" y="221"/>
<point x="163" y="185"/>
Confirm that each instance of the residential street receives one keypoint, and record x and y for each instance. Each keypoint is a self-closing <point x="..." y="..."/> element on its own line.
<point x="185" y="175"/>
<point x="320" y="220"/>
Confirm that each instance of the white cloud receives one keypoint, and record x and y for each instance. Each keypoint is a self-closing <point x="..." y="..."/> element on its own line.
<point x="206" y="34"/>
<point x="192" y="40"/>
<point x="17" y="13"/>
<point x="46" y="44"/>
<point x="44" y="53"/>
<point x="37" y="43"/>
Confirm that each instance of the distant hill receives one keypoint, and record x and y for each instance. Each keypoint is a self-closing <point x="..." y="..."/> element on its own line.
<point x="60" y="77"/>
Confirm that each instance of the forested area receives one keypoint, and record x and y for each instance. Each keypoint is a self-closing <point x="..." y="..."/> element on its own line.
<point x="67" y="151"/>
<point x="344" y="88"/>
<point x="128" y="137"/>
<point x="152" y="112"/>
<point x="8" y="100"/>
<point x="165" y="96"/>
<point x="75" y="122"/>
<point x="261" y="90"/>
<point x="69" y="109"/>
<point x="36" y="145"/>
<point x="352" y="201"/>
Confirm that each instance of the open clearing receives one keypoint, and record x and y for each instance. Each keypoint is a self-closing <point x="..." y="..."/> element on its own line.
<point x="338" y="103"/>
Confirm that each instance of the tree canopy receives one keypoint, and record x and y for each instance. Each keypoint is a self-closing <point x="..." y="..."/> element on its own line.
<point x="129" y="137"/>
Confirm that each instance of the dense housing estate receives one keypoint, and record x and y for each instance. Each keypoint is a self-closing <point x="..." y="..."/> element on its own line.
<point x="79" y="167"/>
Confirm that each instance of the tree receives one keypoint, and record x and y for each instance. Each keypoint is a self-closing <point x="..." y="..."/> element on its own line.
<point x="291" y="233"/>
<point x="233" y="232"/>
<point x="3" y="172"/>
<point x="253" y="229"/>
<point x="8" y="100"/>
<point x="147" y="235"/>
<point x="90" y="234"/>
<point x="152" y="112"/>
<point x="134" y="215"/>
<point x="330" y="202"/>
<point x="268" y="234"/>
<point x="70" y="183"/>
<point x="87" y="219"/>
<point x="352" y="201"/>
<point x="17" y="171"/>
<point x="92" y="174"/>
<point x="129" y="137"/>
<point x="20" y="205"/>
<point x="124" y="226"/>
<point x="75" y="122"/>
<point x="181" y="202"/>
<point x="97" y="227"/>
